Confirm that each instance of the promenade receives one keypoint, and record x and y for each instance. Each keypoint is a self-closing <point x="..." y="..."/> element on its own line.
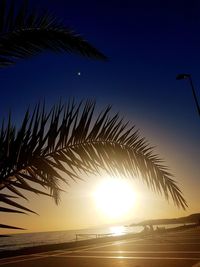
<point x="172" y="249"/>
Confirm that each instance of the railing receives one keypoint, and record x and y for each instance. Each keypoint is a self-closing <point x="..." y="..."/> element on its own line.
<point x="91" y="236"/>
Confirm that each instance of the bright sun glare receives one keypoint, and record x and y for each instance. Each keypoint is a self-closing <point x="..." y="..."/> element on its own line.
<point x="114" y="197"/>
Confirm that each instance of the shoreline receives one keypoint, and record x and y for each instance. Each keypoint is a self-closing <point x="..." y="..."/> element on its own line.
<point x="87" y="242"/>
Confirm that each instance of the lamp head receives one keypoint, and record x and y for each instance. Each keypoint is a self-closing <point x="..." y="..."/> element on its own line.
<point x="182" y="76"/>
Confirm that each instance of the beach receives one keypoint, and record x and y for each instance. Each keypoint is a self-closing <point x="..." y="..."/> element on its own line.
<point x="174" y="248"/>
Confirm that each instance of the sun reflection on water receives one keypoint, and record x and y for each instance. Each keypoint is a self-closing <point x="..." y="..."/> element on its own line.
<point x="117" y="230"/>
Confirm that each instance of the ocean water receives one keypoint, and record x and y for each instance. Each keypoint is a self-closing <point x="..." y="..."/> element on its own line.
<point x="17" y="241"/>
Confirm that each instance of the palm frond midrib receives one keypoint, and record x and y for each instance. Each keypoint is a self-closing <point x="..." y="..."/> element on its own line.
<point x="154" y="162"/>
<point x="84" y="143"/>
<point x="37" y="28"/>
<point x="93" y="142"/>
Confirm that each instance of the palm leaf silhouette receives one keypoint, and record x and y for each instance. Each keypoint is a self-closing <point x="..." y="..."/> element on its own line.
<point x="24" y="33"/>
<point x="70" y="140"/>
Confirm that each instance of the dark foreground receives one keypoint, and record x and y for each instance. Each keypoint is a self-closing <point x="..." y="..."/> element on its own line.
<point x="172" y="249"/>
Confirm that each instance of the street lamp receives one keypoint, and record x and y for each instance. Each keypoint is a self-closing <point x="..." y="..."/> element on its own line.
<point x="184" y="76"/>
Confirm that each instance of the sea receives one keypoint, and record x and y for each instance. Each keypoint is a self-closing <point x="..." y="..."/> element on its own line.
<point x="18" y="241"/>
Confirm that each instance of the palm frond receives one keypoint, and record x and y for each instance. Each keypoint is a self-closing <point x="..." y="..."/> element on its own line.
<point x="24" y="33"/>
<point x="10" y="227"/>
<point x="71" y="139"/>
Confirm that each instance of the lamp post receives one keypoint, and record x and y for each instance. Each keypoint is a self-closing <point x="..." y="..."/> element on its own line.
<point x="184" y="76"/>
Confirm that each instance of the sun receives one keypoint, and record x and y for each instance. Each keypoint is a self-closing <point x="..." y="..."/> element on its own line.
<point x="114" y="197"/>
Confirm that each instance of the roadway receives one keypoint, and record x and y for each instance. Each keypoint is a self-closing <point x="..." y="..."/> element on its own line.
<point x="172" y="249"/>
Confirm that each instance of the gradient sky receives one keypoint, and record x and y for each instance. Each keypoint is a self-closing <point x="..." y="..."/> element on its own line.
<point x="148" y="44"/>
